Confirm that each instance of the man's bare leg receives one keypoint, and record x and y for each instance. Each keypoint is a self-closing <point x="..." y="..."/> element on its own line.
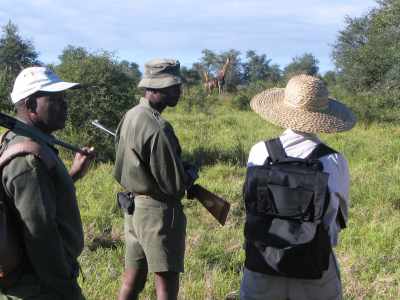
<point x="133" y="282"/>
<point x="167" y="285"/>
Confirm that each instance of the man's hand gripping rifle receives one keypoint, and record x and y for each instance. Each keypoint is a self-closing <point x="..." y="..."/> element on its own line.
<point x="217" y="206"/>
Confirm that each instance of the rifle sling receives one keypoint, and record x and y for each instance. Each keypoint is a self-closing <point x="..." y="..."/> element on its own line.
<point x="25" y="148"/>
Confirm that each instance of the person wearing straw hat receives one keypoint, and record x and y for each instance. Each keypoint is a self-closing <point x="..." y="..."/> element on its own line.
<point x="42" y="195"/>
<point x="304" y="108"/>
<point x="149" y="165"/>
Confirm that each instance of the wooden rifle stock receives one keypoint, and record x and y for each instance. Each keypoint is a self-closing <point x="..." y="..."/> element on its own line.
<point x="217" y="206"/>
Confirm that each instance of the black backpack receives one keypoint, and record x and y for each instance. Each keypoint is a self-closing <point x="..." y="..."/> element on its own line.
<point x="285" y="201"/>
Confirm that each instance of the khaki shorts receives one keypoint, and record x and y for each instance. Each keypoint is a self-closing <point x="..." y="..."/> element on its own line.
<point x="155" y="236"/>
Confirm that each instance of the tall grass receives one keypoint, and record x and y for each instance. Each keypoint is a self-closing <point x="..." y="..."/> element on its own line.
<point x="219" y="141"/>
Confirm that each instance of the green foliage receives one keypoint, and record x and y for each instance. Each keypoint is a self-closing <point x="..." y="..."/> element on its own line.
<point x="367" y="52"/>
<point x="305" y="64"/>
<point x="258" y="68"/>
<point x="241" y="101"/>
<point x="190" y="76"/>
<point x="109" y="90"/>
<point x="367" y="56"/>
<point x="350" y="54"/>
<point x="212" y="63"/>
<point x="255" y="68"/>
<point x="368" y="250"/>
<point x="5" y="90"/>
<point x="195" y="99"/>
<point x="218" y="137"/>
<point x="16" y="53"/>
<point x="370" y="106"/>
<point x="329" y="78"/>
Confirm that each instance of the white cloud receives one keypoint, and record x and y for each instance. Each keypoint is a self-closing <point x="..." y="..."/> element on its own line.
<point x="140" y="29"/>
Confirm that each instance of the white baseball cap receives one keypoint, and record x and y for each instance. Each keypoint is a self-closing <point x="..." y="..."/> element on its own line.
<point x="34" y="79"/>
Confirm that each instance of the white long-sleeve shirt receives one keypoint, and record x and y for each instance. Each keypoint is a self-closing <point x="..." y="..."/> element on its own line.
<point x="299" y="144"/>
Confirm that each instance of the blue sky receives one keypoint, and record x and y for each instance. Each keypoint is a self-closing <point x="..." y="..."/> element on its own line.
<point x="140" y="30"/>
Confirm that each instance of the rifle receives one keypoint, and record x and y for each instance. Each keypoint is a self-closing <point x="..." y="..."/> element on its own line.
<point x="29" y="131"/>
<point x="216" y="206"/>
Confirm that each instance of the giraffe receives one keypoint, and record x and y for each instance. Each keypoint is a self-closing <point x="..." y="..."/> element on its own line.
<point x="209" y="83"/>
<point x="221" y="76"/>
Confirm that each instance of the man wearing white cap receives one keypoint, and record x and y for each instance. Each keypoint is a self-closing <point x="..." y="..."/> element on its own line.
<point x="42" y="194"/>
<point x="271" y="270"/>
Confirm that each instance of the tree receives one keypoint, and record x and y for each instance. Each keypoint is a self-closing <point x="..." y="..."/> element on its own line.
<point x="329" y="78"/>
<point x="305" y="64"/>
<point x="16" y="53"/>
<point x="367" y="57"/>
<point x="349" y="54"/>
<point x="212" y="63"/>
<point x="109" y="90"/>
<point x="367" y="51"/>
<point x="258" y="67"/>
<point x="191" y="76"/>
<point x="275" y="73"/>
<point x="131" y="70"/>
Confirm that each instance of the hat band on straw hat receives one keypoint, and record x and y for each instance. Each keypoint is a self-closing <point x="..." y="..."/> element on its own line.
<point x="310" y="107"/>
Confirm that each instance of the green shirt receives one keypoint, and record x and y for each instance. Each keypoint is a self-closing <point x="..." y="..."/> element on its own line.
<point x="51" y="223"/>
<point x="148" y="155"/>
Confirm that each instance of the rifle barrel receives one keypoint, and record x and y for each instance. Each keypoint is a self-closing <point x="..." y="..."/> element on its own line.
<point x="98" y="125"/>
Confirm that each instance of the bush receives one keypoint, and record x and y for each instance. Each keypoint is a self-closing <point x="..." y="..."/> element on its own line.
<point x="377" y="105"/>
<point x="109" y="90"/>
<point x="196" y="99"/>
<point x="241" y="101"/>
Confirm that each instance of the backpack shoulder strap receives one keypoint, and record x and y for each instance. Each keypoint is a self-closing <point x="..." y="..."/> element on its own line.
<point x="3" y="136"/>
<point x="320" y="151"/>
<point x="275" y="149"/>
<point x="25" y="148"/>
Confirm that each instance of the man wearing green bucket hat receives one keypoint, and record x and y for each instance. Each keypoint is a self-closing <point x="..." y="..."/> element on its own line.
<point x="148" y="164"/>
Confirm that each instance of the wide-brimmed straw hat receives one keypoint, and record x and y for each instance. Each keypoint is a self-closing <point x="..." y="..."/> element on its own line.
<point x="304" y="105"/>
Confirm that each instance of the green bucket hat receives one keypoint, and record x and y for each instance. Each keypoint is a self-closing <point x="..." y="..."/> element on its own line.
<point x="161" y="73"/>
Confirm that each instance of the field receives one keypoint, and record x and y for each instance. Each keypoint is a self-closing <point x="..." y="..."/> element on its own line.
<point x="219" y="141"/>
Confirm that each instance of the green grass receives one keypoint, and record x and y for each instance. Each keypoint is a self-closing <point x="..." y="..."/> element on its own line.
<point x="369" y="250"/>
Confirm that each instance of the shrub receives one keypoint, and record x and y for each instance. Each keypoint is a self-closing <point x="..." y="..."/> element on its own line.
<point x="196" y="99"/>
<point x="377" y="105"/>
<point x="109" y="90"/>
<point x="241" y="101"/>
